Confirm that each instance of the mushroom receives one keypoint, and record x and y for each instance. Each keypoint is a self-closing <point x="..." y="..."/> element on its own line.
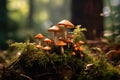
<point x="54" y="29"/>
<point x="81" y="48"/>
<point x="76" y="48"/>
<point x="68" y="41"/>
<point x="61" y="39"/>
<point x="39" y="37"/>
<point x="81" y="42"/>
<point x="66" y="24"/>
<point x="47" y="40"/>
<point x="46" y="48"/>
<point x="73" y="53"/>
<point x="71" y="37"/>
<point x="39" y="46"/>
<point x="61" y="44"/>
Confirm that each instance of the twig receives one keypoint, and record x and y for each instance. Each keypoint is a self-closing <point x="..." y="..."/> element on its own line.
<point x="23" y="75"/>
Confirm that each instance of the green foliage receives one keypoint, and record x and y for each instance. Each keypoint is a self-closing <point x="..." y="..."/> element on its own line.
<point x="79" y="35"/>
<point x="100" y="70"/>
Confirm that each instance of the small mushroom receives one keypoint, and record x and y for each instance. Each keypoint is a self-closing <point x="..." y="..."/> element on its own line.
<point x="76" y="48"/>
<point x="47" y="40"/>
<point x="81" y="48"/>
<point x="71" y="37"/>
<point x="61" y="44"/>
<point x="47" y="49"/>
<point x="73" y="53"/>
<point x="68" y="42"/>
<point x="61" y="39"/>
<point x="54" y="29"/>
<point x="66" y="24"/>
<point x="81" y="42"/>
<point x="39" y="46"/>
<point x="39" y="37"/>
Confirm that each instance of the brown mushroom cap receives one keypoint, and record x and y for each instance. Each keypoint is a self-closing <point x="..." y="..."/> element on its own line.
<point x="39" y="36"/>
<point x="54" y="29"/>
<point x="61" y="43"/>
<point x="66" y="23"/>
<point x="68" y="40"/>
<point x="47" y="40"/>
<point x="81" y="42"/>
<point x="61" y="38"/>
<point x="47" y="48"/>
<point x="39" y="46"/>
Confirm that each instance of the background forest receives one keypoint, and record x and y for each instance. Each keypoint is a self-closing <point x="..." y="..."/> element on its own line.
<point x="21" y="19"/>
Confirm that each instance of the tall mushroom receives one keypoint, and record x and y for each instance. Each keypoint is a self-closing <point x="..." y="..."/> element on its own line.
<point x="54" y="29"/>
<point x="39" y="37"/>
<point x="66" y="24"/>
<point x="61" y="44"/>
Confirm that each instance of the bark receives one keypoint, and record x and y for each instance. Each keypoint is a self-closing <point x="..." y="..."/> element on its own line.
<point x="31" y="12"/>
<point x="3" y="24"/>
<point x="87" y="14"/>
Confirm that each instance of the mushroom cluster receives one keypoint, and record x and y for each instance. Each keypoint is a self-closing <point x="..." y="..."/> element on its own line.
<point x="62" y="40"/>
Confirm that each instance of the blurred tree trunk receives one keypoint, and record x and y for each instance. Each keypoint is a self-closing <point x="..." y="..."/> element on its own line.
<point x="3" y="24"/>
<point x="30" y="16"/>
<point x="87" y="14"/>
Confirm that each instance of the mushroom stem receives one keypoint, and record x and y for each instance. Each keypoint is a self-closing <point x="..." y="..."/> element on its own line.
<point x="55" y="37"/>
<point x="62" y="50"/>
<point x="39" y="42"/>
<point x="68" y="45"/>
<point x="65" y="33"/>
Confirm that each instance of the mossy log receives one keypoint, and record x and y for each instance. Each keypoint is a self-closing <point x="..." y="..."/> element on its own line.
<point x="35" y="64"/>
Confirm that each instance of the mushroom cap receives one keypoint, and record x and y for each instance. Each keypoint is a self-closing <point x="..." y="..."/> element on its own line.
<point x="76" y="48"/>
<point x="68" y="40"/>
<point x="81" y="42"/>
<point x="81" y="48"/>
<point x="61" y="43"/>
<point x="54" y="29"/>
<point x="61" y="38"/>
<point x="39" y="36"/>
<point x="66" y="23"/>
<point x="39" y="46"/>
<point x="47" y="48"/>
<point x="73" y="53"/>
<point x="47" y="40"/>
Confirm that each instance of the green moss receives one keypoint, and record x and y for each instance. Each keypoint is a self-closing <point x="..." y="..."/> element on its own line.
<point x="44" y="65"/>
<point x="78" y="34"/>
